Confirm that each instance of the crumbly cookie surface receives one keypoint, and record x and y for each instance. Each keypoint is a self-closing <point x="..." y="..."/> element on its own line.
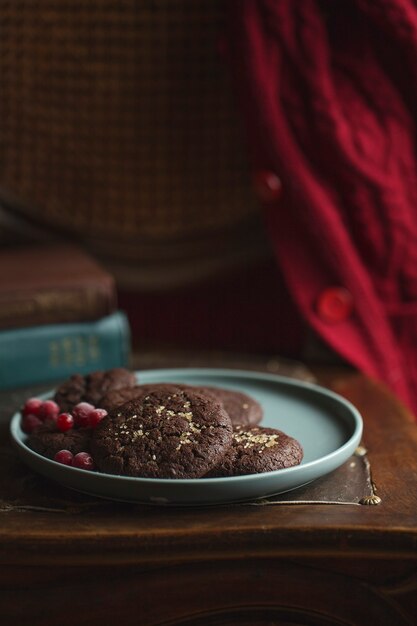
<point x="93" y="387"/>
<point x="116" y="397"/>
<point x="241" y="408"/>
<point x="256" y="450"/>
<point x="169" y="432"/>
<point x="47" y="440"/>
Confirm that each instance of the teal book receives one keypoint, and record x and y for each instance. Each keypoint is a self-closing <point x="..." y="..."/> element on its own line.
<point x="47" y="353"/>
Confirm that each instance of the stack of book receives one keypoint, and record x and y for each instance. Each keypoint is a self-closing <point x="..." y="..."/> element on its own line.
<point x="58" y="316"/>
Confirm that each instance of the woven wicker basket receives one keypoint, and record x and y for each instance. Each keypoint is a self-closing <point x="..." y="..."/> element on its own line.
<point x="118" y="126"/>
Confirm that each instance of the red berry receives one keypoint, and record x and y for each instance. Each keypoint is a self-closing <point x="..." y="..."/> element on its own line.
<point x="30" y="423"/>
<point x="96" y="416"/>
<point x="83" y="460"/>
<point x="64" y="456"/>
<point x="64" y="422"/>
<point x="48" y="410"/>
<point x="32" y="406"/>
<point x="81" y="412"/>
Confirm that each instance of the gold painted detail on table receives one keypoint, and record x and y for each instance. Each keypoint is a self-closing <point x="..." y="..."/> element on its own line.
<point x="371" y="500"/>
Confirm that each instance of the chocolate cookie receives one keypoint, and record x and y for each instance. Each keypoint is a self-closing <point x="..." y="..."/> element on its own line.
<point x="241" y="408"/>
<point x="47" y="440"/>
<point x="256" y="450"/>
<point x="92" y="387"/>
<point x="166" y="433"/>
<point x="117" y="397"/>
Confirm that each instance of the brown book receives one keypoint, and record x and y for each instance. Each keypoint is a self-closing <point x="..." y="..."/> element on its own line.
<point x="48" y="284"/>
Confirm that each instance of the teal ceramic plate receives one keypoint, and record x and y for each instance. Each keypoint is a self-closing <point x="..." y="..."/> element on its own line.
<point x="328" y="427"/>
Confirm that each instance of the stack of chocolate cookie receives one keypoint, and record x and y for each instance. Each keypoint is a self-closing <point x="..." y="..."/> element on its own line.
<point x="168" y="430"/>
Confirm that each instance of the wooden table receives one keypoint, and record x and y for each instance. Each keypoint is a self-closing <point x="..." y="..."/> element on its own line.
<point x="246" y="565"/>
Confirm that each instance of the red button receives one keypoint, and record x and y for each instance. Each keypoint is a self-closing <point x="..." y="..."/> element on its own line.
<point x="335" y="304"/>
<point x="267" y="185"/>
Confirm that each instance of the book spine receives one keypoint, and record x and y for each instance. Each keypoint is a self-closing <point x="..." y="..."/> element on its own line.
<point x="53" y="306"/>
<point x="48" y="353"/>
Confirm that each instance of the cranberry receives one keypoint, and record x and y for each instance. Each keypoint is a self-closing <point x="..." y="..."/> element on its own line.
<point x="83" y="460"/>
<point x="96" y="416"/>
<point x="64" y="456"/>
<point x="32" y="406"/>
<point x="81" y="411"/>
<point x="64" y="422"/>
<point x="30" y="423"/>
<point x="48" y="410"/>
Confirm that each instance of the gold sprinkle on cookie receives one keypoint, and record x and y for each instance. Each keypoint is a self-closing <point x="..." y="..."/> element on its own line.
<point x="251" y="438"/>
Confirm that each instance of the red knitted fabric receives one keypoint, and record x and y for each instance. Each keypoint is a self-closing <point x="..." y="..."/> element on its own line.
<point x="328" y="90"/>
